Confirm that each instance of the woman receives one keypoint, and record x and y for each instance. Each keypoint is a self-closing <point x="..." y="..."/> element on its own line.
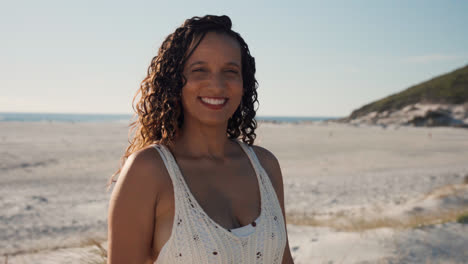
<point x="189" y="191"/>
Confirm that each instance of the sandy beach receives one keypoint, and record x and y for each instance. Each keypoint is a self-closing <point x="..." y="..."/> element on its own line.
<point x="353" y="194"/>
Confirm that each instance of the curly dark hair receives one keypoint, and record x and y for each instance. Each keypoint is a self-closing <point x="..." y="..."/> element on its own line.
<point x="159" y="110"/>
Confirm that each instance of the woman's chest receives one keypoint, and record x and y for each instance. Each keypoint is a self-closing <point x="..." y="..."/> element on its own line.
<point x="228" y="194"/>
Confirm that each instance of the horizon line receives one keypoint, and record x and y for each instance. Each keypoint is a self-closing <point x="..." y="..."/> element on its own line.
<point x="132" y="114"/>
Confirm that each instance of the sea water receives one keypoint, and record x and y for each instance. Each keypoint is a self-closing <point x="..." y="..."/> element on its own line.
<point x="125" y="118"/>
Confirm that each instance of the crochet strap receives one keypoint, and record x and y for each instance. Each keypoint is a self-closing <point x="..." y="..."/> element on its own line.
<point x="252" y="156"/>
<point x="166" y="159"/>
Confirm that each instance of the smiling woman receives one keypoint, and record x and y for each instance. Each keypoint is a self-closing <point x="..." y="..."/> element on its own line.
<point x="193" y="188"/>
<point x="214" y="79"/>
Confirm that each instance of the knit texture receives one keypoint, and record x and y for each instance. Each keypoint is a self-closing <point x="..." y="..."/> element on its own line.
<point x="196" y="238"/>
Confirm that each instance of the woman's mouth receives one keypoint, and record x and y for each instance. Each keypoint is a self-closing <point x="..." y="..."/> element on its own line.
<point x="214" y="103"/>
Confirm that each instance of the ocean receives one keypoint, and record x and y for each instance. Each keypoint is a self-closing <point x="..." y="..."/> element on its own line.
<point x="123" y="118"/>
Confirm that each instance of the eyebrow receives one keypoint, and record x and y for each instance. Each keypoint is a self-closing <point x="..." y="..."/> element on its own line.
<point x="203" y="62"/>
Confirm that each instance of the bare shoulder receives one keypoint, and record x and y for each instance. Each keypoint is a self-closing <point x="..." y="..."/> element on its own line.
<point x="132" y="206"/>
<point x="143" y="170"/>
<point x="271" y="165"/>
<point x="264" y="155"/>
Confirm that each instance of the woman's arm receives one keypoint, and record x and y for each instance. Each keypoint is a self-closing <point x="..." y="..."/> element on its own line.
<point x="132" y="210"/>
<point x="271" y="165"/>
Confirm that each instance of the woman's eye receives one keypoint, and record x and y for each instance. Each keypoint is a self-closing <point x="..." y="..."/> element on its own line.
<point x="232" y="71"/>
<point x="198" y="70"/>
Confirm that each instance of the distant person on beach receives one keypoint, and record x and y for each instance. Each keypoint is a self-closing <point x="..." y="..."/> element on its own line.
<point x="192" y="187"/>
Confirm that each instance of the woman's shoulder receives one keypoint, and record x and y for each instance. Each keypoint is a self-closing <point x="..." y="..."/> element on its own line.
<point x="144" y="169"/>
<point x="266" y="157"/>
<point x="132" y="206"/>
<point x="147" y="157"/>
<point x="270" y="163"/>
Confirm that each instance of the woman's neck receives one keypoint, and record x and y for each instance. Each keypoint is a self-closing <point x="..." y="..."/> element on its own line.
<point x="197" y="140"/>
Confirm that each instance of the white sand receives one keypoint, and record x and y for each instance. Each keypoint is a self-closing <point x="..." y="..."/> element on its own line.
<point x="53" y="176"/>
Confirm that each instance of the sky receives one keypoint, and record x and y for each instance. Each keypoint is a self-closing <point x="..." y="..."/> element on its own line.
<point x="313" y="58"/>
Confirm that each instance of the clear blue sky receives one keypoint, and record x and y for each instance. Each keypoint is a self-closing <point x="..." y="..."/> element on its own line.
<point x="313" y="58"/>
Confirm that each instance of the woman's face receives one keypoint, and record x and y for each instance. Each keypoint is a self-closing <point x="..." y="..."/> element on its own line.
<point x="214" y="80"/>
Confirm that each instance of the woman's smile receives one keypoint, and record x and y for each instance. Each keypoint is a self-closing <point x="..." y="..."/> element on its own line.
<point x="214" y="103"/>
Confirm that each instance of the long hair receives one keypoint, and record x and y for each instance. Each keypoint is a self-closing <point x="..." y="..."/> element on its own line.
<point x="159" y="109"/>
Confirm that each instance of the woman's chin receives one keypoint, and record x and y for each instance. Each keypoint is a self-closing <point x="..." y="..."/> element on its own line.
<point x="210" y="121"/>
<point x="214" y="122"/>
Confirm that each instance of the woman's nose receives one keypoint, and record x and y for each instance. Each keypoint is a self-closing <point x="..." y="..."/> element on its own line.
<point x="218" y="82"/>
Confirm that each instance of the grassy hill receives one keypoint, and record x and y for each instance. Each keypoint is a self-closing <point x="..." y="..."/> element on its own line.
<point x="450" y="88"/>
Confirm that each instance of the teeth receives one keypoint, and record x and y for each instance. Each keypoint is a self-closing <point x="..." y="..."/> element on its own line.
<point x="213" y="101"/>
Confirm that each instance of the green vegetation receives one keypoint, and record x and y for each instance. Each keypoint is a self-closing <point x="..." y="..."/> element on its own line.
<point x="450" y="88"/>
<point x="463" y="218"/>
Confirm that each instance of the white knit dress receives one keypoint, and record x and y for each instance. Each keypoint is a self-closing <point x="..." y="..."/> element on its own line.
<point x="196" y="238"/>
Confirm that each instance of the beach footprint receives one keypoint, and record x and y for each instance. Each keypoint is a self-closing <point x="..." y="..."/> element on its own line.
<point x="40" y="199"/>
